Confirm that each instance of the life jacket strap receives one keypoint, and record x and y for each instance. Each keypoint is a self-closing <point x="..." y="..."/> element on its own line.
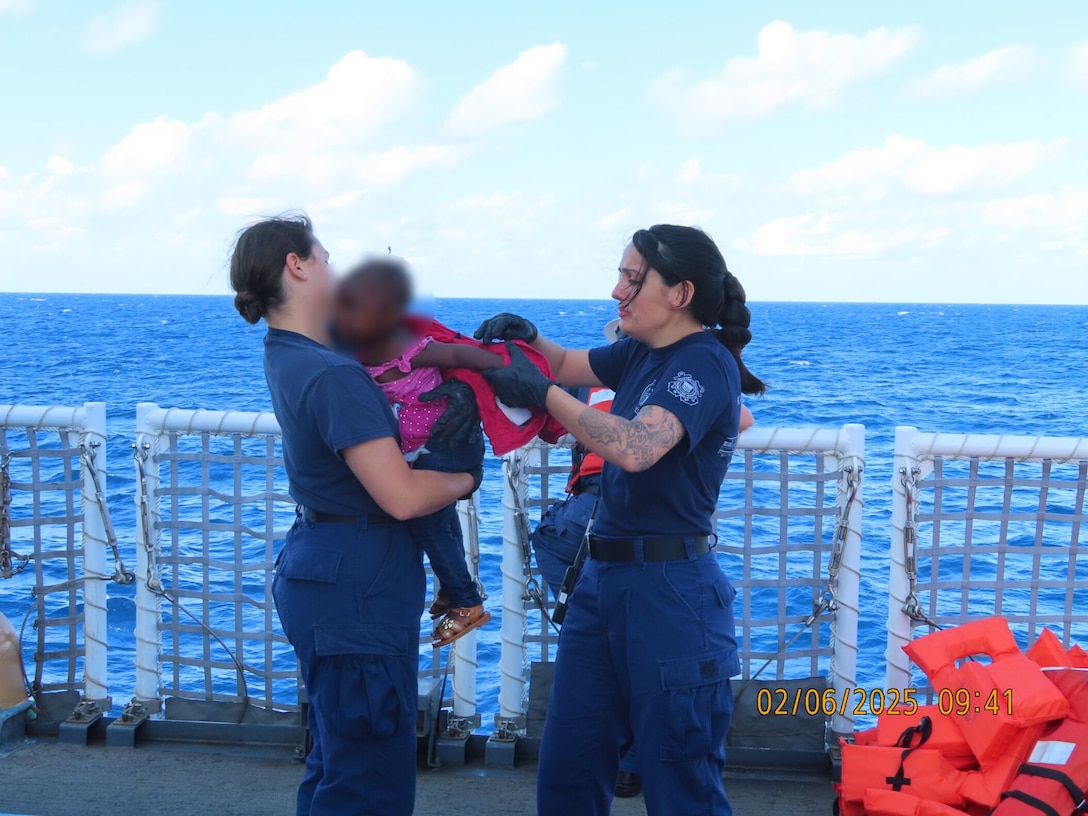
<point x="1057" y="776"/>
<point x="1031" y="801"/>
<point x="924" y="730"/>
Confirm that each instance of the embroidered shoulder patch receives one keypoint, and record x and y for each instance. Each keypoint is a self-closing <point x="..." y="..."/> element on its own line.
<point x="686" y="388"/>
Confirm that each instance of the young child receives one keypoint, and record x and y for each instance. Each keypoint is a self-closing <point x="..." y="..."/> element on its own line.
<point x="371" y="316"/>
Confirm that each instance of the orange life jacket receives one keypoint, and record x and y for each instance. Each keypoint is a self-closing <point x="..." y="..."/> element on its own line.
<point x="1048" y="652"/>
<point x="587" y="463"/>
<point x="910" y="766"/>
<point x="1054" y="778"/>
<point x="892" y="803"/>
<point x="1023" y="695"/>
<point x="945" y="736"/>
<point x="984" y="786"/>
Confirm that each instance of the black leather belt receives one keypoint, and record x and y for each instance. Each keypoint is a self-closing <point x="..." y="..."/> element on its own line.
<point x="591" y="487"/>
<point x="311" y="516"/>
<point x="656" y="548"/>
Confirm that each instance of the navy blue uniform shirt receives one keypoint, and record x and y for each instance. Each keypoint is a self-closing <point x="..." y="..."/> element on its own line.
<point x="696" y="379"/>
<point x="324" y="403"/>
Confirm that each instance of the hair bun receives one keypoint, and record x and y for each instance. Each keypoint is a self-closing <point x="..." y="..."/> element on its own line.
<point x="248" y="306"/>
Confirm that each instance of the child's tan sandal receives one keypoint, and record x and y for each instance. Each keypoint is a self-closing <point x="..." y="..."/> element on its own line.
<point x="459" y="622"/>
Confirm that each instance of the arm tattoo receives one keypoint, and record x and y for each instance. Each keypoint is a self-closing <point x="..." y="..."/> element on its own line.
<point x="644" y="439"/>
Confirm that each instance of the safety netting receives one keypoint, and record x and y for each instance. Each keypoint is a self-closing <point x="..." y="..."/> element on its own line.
<point x="41" y="552"/>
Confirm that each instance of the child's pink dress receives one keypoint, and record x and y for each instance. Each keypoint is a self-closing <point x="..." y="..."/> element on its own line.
<point x="414" y="418"/>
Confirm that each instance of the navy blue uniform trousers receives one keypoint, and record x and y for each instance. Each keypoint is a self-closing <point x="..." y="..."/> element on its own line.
<point x="646" y="653"/>
<point x="349" y="597"/>
<point x="556" y="541"/>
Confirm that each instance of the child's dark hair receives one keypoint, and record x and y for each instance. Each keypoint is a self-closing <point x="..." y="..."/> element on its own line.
<point x="389" y="273"/>
<point x="688" y="254"/>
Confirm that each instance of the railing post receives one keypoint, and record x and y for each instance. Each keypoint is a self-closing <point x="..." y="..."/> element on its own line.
<point x="512" y="631"/>
<point x="464" y="649"/>
<point x="845" y="655"/>
<point x="897" y="673"/>
<point x="95" y="542"/>
<point x="148" y="602"/>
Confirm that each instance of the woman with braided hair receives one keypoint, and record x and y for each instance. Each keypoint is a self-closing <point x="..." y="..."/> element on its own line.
<point x="648" y="645"/>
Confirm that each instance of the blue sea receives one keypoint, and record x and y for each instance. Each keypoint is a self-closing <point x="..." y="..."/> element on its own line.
<point x="954" y="368"/>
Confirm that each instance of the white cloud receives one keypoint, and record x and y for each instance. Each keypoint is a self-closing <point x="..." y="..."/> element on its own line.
<point x="809" y="67"/>
<point x="59" y="166"/>
<point x="4" y="174"/>
<point x="249" y="206"/>
<point x="1069" y="208"/>
<point x="130" y="23"/>
<point x="49" y="201"/>
<point x="125" y="194"/>
<point x="1009" y="64"/>
<point x="357" y="97"/>
<point x="690" y="172"/>
<point x="149" y="148"/>
<point x="1055" y="223"/>
<point x="337" y="201"/>
<point x="1078" y="63"/>
<point x="938" y="172"/>
<point x="186" y="217"/>
<point x="523" y="90"/>
<point x="925" y="169"/>
<point x="382" y="168"/>
<point x="17" y="8"/>
<point x="610" y="220"/>
<point x="833" y="234"/>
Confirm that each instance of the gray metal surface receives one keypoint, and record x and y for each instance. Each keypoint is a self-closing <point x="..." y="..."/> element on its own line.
<point x="49" y="779"/>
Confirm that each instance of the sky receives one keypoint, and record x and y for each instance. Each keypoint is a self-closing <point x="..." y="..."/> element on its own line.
<point x="837" y="151"/>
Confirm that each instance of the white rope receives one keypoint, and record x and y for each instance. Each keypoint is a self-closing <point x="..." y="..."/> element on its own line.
<point x="1000" y="446"/>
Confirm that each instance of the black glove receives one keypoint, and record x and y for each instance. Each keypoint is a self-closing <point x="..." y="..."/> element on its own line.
<point x="506" y="326"/>
<point x="520" y="384"/>
<point x="459" y="424"/>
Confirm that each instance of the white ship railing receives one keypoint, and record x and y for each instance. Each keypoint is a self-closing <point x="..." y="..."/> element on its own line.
<point x="217" y="635"/>
<point x="981" y="520"/>
<point x="54" y="538"/>
<point x="979" y="525"/>
<point x="793" y="501"/>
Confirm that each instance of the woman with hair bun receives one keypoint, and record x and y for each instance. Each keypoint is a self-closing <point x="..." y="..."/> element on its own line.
<point x="349" y="582"/>
<point x="648" y="645"/>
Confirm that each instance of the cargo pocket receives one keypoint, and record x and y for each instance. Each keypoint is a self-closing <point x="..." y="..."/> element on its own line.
<point x="724" y="589"/>
<point x="698" y="704"/>
<point x="370" y="688"/>
<point x="309" y="564"/>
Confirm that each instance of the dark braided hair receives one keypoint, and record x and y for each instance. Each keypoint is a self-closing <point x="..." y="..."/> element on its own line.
<point x="689" y="255"/>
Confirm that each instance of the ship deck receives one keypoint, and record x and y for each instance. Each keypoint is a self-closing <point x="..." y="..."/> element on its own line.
<point x="43" y="777"/>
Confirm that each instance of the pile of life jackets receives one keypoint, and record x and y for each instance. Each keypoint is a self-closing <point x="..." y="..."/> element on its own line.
<point x="1007" y="737"/>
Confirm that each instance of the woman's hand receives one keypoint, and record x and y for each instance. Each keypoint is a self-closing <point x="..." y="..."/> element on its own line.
<point x="506" y="326"/>
<point x="459" y="424"/>
<point x="520" y="384"/>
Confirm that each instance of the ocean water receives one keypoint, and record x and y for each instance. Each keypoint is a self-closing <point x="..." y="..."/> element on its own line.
<point x="954" y="368"/>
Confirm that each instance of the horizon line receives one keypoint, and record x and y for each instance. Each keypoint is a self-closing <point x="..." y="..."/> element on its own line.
<point x="21" y="294"/>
